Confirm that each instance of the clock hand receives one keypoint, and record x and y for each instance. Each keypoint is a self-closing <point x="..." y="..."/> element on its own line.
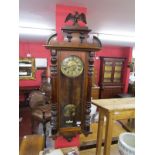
<point x="70" y="66"/>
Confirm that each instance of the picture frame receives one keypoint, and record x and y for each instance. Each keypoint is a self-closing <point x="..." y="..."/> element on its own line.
<point x="26" y="68"/>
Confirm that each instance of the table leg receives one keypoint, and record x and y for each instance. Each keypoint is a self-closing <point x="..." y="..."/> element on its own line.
<point x="108" y="134"/>
<point x="100" y="132"/>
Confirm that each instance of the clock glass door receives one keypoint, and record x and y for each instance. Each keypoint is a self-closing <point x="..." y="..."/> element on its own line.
<point x="72" y="90"/>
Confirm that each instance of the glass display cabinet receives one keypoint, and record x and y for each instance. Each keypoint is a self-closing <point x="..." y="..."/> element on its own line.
<point x="111" y="76"/>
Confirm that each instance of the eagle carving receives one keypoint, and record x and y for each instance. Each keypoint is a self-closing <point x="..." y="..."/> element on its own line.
<point x="76" y="17"/>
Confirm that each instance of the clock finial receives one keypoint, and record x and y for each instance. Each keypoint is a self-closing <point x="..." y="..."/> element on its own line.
<point x="76" y="17"/>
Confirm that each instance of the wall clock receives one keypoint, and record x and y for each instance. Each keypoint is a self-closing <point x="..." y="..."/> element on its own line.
<point x="72" y="66"/>
<point x="72" y="62"/>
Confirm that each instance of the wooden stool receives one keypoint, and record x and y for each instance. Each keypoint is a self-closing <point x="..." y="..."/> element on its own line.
<point x="31" y="145"/>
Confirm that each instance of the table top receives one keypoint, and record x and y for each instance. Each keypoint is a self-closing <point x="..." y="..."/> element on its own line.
<point x="115" y="103"/>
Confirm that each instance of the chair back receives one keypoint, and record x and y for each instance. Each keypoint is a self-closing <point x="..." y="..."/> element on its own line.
<point x="46" y="88"/>
<point x="36" y="98"/>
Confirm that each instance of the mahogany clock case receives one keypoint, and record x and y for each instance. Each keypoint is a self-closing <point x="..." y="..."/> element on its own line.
<point x="72" y="62"/>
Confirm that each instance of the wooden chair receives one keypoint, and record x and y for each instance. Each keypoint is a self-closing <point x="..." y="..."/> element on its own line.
<point x="31" y="145"/>
<point x="46" y="89"/>
<point x="40" y="110"/>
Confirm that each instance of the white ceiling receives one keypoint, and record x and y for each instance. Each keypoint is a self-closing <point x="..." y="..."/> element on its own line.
<point x="111" y="17"/>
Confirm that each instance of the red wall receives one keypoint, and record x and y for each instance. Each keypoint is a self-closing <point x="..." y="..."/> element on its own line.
<point x="119" y="52"/>
<point x="37" y="51"/>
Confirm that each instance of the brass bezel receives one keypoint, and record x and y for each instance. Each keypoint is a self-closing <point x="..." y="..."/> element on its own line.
<point x="79" y="73"/>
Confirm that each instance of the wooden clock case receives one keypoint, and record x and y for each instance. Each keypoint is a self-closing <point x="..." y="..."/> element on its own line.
<point x="71" y="96"/>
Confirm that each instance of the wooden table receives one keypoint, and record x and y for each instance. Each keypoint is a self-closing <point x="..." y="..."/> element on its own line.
<point x="31" y="145"/>
<point x="112" y="109"/>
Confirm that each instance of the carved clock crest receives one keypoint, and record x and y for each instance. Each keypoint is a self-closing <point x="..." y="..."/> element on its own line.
<point x="72" y="62"/>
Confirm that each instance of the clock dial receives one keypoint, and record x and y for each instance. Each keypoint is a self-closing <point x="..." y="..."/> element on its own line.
<point x="72" y="66"/>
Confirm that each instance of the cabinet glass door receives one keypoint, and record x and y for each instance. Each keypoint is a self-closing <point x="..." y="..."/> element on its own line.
<point x="117" y="72"/>
<point x="107" y="71"/>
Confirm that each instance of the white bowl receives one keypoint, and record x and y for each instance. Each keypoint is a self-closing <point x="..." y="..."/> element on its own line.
<point x="126" y="143"/>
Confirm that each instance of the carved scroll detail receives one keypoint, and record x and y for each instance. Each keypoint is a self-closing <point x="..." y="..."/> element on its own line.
<point x="51" y="37"/>
<point x="96" y="40"/>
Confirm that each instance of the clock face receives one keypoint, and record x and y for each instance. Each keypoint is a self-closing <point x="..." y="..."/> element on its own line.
<point x="72" y="66"/>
